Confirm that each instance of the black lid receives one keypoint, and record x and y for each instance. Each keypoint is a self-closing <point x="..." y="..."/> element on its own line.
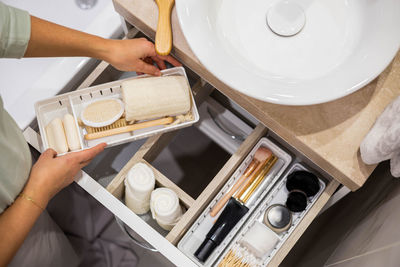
<point x="304" y="181"/>
<point x="296" y="201"/>
<point x="205" y="250"/>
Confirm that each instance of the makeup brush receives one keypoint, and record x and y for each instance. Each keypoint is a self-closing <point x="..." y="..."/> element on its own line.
<point x="232" y="213"/>
<point x="254" y="168"/>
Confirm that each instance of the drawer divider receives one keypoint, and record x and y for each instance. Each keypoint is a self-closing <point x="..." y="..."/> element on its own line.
<point x="215" y="185"/>
<point x="162" y="180"/>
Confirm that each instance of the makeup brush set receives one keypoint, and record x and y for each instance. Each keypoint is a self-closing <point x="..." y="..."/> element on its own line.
<point x="255" y="212"/>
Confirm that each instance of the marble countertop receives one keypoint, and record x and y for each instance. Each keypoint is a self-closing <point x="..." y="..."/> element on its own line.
<point x="328" y="134"/>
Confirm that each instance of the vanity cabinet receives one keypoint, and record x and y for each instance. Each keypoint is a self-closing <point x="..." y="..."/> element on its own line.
<point x="324" y="137"/>
<point x="143" y="231"/>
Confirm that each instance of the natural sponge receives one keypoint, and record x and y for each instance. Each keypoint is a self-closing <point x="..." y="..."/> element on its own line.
<point x="154" y="97"/>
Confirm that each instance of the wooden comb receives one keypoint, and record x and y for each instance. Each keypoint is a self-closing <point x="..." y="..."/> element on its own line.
<point x="121" y="126"/>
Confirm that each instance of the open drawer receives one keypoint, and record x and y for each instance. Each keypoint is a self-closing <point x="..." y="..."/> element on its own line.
<point x="147" y="232"/>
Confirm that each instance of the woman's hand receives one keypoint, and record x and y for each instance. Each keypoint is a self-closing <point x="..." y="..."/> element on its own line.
<point x="136" y="55"/>
<point x="50" y="174"/>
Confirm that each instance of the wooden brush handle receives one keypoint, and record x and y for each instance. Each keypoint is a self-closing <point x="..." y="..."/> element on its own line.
<point x="164" y="31"/>
<point x="249" y="170"/>
<point x="129" y="128"/>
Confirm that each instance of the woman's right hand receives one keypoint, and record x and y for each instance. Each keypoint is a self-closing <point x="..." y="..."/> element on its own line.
<point x="50" y="174"/>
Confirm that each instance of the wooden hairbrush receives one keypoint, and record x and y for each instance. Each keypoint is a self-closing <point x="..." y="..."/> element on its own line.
<point x="164" y="31"/>
<point x="121" y="126"/>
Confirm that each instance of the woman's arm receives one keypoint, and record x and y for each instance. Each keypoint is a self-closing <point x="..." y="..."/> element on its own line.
<point x="51" y="40"/>
<point x="48" y="176"/>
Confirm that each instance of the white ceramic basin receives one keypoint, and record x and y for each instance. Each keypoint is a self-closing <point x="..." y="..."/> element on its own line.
<point x="336" y="47"/>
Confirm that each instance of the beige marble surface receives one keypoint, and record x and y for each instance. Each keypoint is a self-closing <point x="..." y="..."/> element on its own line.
<point x="329" y="134"/>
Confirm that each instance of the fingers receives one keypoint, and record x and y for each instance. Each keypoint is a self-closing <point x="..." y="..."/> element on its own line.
<point x="171" y="60"/>
<point x="148" y="69"/>
<point x="160" y="63"/>
<point x="49" y="153"/>
<point x="147" y="48"/>
<point x="88" y="154"/>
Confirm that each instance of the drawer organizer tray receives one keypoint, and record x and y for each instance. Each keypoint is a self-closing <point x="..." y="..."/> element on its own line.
<point x="74" y="102"/>
<point x="277" y="195"/>
<point x="197" y="232"/>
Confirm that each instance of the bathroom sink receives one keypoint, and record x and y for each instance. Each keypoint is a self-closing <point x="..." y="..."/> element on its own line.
<point x="292" y="52"/>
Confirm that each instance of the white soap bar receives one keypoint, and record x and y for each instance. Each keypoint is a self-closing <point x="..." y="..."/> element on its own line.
<point x="139" y="184"/>
<point x="260" y="240"/>
<point x="56" y="136"/>
<point x="165" y="208"/>
<point x="71" y="132"/>
<point x="155" y="97"/>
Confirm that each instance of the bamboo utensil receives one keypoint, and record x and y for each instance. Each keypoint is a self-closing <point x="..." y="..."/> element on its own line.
<point x="164" y="31"/>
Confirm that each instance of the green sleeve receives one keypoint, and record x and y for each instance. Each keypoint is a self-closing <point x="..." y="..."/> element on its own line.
<point x="15" y="31"/>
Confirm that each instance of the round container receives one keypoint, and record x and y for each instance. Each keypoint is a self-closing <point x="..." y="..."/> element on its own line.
<point x="297" y="201"/>
<point x="165" y="208"/>
<point x="304" y="181"/>
<point x="278" y="218"/>
<point x="102" y="112"/>
<point x="139" y="184"/>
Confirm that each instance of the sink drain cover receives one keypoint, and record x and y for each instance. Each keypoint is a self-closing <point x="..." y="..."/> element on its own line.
<point x="286" y="18"/>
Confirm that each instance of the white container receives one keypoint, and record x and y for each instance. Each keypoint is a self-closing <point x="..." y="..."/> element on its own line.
<point x="75" y="102"/>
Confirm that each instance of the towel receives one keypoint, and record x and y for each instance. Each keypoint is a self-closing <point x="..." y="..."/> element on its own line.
<point x="383" y="140"/>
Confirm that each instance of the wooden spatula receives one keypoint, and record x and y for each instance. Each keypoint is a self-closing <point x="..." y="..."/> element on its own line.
<point x="164" y="32"/>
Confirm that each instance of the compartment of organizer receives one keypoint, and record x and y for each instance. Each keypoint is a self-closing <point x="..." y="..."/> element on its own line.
<point x="50" y="109"/>
<point x="191" y="160"/>
<point x="262" y="250"/>
<point x="80" y="99"/>
<point x="161" y="182"/>
<point x="196" y="234"/>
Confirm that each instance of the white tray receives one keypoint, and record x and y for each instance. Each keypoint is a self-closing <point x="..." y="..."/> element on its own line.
<point x="197" y="232"/>
<point x="277" y="195"/>
<point x="74" y="102"/>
